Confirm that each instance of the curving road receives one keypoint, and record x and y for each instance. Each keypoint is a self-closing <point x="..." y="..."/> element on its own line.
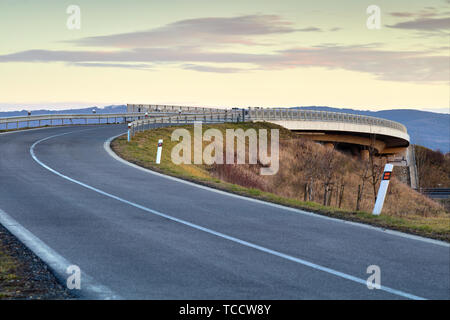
<point x="143" y="235"/>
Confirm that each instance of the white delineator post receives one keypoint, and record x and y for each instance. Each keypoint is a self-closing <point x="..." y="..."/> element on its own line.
<point x="129" y="132"/>
<point x="159" y="151"/>
<point x="383" y="189"/>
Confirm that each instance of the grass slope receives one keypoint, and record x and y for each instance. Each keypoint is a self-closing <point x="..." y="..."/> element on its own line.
<point x="142" y="151"/>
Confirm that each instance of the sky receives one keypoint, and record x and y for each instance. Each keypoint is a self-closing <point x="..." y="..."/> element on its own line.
<point x="233" y="53"/>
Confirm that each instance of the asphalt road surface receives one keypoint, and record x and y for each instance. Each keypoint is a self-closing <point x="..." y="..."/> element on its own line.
<point x="146" y="236"/>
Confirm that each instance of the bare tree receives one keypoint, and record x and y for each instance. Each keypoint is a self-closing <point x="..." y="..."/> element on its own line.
<point x="363" y="174"/>
<point x="421" y="160"/>
<point x="376" y="167"/>
<point x="312" y="174"/>
<point x="326" y="166"/>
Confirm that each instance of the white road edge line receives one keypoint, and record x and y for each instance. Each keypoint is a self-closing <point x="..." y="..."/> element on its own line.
<point x="219" y="234"/>
<point x="57" y="263"/>
<point x="107" y="147"/>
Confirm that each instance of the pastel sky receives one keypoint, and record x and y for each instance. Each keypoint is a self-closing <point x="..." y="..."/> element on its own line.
<point x="225" y="53"/>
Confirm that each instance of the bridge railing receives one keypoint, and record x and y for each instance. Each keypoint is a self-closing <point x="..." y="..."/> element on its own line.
<point x="313" y="115"/>
<point x="435" y="193"/>
<point x="178" y="114"/>
<point x="169" y="108"/>
<point x="221" y="116"/>
<point x="61" y="119"/>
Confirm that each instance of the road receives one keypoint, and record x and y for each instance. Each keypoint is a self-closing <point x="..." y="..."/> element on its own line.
<point x="146" y="236"/>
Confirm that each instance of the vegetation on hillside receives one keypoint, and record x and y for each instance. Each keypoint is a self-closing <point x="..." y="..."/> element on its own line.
<point x="433" y="168"/>
<point x="311" y="176"/>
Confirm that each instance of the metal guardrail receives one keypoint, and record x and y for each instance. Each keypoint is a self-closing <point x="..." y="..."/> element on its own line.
<point x="168" y="108"/>
<point x="312" y="115"/>
<point x="180" y="114"/>
<point x="210" y="117"/>
<point x="220" y="115"/>
<point x="435" y="193"/>
<point x="37" y="120"/>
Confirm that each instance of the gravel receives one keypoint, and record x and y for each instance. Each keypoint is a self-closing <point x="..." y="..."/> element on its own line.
<point x="33" y="279"/>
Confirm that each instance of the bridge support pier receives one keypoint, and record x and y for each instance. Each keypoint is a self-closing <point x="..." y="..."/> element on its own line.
<point x="365" y="154"/>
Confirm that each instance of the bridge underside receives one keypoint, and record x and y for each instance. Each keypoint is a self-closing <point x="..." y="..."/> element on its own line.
<point x="384" y="145"/>
<point x="385" y="139"/>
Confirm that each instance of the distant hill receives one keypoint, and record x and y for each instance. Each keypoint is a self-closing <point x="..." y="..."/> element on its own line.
<point x="107" y="109"/>
<point x="428" y="129"/>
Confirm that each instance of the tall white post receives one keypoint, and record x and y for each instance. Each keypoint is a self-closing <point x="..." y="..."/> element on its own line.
<point x="129" y="132"/>
<point x="383" y="189"/>
<point x="159" y="151"/>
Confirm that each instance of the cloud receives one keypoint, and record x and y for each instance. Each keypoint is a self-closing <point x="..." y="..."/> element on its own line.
<point x="195" y="44"/>
<point x="385" y="65"/>
<point x="192" y="32"/>
<point x="203" y="68"/>
<point x="426" y="12"/>
<point x="310" y="29"/>
<point x="415" y="66"/>
<point x="112" y="65"/>
<point x="424" y="24"/>
<point x="402" y="14"/>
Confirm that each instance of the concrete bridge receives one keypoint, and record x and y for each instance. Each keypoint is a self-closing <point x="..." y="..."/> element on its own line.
<point x="385" y="136"/>
<point x="353" y="132"/>
<point x="357" y="133"/>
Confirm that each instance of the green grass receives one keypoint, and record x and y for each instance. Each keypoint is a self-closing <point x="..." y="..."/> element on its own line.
<point x="142" y="151"/>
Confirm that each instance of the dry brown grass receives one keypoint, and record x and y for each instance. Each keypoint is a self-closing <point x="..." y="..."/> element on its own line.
<point x="297" y="159"/>
<point x="301" y="160"/>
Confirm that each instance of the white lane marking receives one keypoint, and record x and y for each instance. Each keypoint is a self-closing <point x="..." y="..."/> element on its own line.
<point x="219" y="234"/>
<point x="89" y="287"/>
<point x="31" y="129"/>
<point x="107" y="147"/>
<point x="57" y="263"/>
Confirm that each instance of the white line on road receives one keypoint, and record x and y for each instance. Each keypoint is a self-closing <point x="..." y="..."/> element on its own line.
<point x="57" y="263"/>
<point x="218" y="234"/>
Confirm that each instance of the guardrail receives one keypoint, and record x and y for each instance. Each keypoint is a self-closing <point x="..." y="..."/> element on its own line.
<point x="60" y="119"/>
<point x="168" y="108"/>
<point x="436" y="193"/>
<point x="237" y="115"/>
<point x="180" y="114"/>
<point x="313" y="115"/>
<point x="210" y="117"/>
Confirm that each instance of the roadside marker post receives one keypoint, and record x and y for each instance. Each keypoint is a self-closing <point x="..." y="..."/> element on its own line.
<point x="383" y="189"/>
<point x="129" y="132"/>
<point x="159" y="151"/>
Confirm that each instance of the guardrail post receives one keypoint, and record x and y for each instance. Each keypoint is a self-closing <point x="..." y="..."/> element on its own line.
<point x="159" y="151"/>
